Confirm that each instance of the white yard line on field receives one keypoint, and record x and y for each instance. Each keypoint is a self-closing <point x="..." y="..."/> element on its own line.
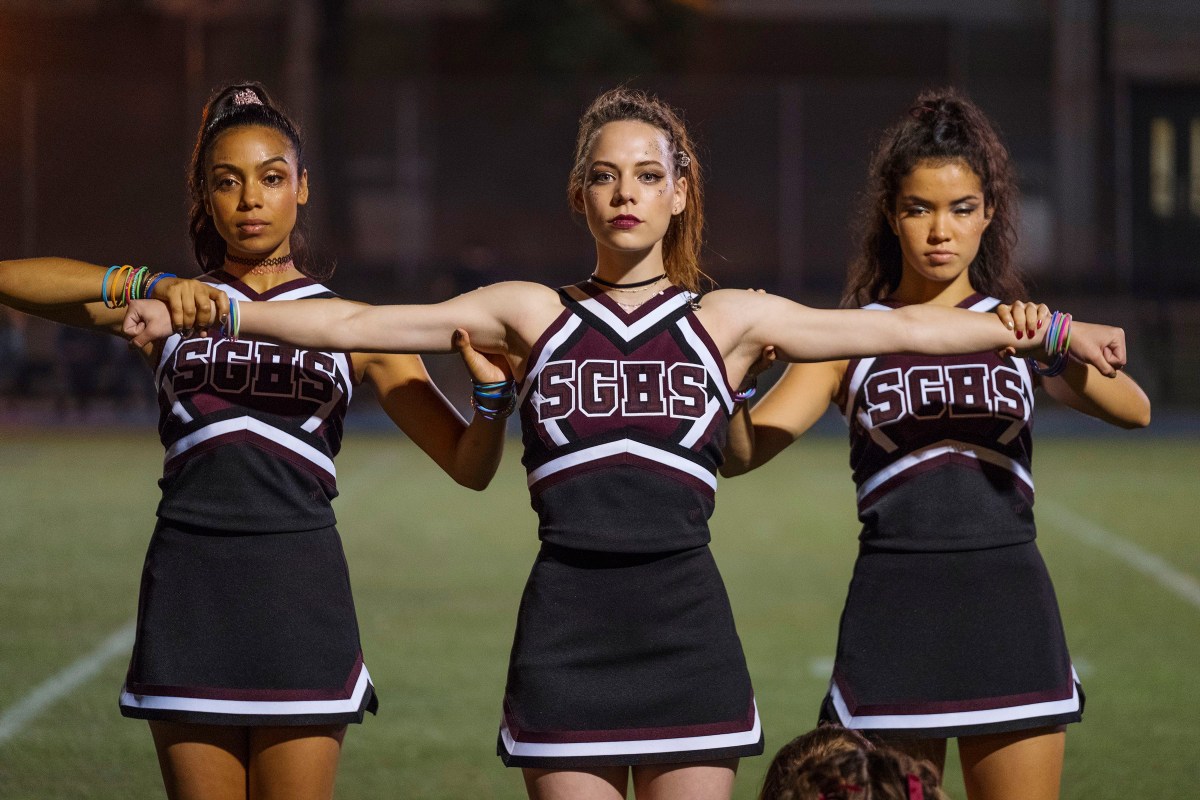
<point x="1145" y="562"/>
<point x="14" y="719"/>
<point x="63" y="683"/>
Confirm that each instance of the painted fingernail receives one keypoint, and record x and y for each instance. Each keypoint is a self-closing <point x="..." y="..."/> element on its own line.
<point x="1019" y="334"/>
<point x="1039" y="324"/>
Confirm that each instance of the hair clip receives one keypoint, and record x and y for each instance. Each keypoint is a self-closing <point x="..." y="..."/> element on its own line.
<point x="247" y="97"/>
<point x="919" y="112"/>
<point x="915" y="790"/>
<point x="683" y="159"/>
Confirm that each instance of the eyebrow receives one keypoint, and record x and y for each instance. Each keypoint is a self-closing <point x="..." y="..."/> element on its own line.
<point x="650" y="163"/>
<point x="912" y="198"/>
<point x="233" y="168"/>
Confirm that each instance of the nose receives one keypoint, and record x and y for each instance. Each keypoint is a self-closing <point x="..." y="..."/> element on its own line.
<point x="251" y="196"/>
<point x="937" y="229"/>
<point x="620" y="196"/>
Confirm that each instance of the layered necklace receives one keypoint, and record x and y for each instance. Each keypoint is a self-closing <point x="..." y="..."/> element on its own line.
<point x="629" y="288"/>
<point x="263" y="266"/>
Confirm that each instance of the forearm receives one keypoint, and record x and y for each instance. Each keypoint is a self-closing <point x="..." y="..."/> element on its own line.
<point x="927" y="329"/>
<point x="739" y="447"/>
<point x="57" y="289"/>
<point x="478" y="453"/>
<point x="1118" y="401"/>
<point x="791" y="407"/>
<point x="33" y="283"/>
<point x="803" y="334"/>
<point x="353" y="327"/>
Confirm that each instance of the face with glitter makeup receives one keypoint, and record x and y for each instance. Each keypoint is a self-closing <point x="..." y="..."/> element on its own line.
<point x="253" y="190"/>
<point x="630" y="192"/>
<point x="939" y="218"/>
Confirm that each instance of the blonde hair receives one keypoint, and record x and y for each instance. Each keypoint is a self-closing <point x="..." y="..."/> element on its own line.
<point x="685" y="234"/>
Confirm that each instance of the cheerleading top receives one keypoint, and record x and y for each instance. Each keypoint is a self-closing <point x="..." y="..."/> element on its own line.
<point x="941" y="447"/>
<point x="624" y="416"/>
<point x="251" y="427"/>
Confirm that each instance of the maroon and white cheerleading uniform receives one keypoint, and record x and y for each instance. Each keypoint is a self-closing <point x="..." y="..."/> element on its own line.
<point x="951" y="627"/>
<point x="245" y="615"/>
<point x="625" y="650"/>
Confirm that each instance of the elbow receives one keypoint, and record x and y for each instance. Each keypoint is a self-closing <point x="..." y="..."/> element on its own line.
<point x="1139" y="420"/>
<point x="731" y="469"/>
<point x="474" y="482"/>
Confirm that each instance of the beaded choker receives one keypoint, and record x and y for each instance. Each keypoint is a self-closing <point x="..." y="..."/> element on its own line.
<point x="619" y="286"/>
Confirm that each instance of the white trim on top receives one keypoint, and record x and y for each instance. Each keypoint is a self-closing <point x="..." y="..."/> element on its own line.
<point x="257" y="427"/>
<point x="944" y="447"/>
<point x="645" y="451"/>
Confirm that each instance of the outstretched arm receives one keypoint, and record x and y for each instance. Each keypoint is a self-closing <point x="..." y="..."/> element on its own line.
<point x="746" y="322"/>
<point x="68" y="291"/>
<point x="488" y="315"/>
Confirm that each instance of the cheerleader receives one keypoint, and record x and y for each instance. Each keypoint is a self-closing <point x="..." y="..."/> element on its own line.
<point x="951" y="627"/>
<point x="247" y="661"/>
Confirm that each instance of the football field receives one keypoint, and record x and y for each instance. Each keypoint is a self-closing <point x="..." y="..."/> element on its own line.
<point x="437" y="572"/>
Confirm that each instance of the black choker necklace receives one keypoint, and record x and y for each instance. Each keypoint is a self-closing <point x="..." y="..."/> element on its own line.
<point x="260" y="262"/>
<point x="611" y="285"/>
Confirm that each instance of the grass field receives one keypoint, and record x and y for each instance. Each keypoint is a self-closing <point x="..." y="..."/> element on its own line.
<point x="438" y="572"/>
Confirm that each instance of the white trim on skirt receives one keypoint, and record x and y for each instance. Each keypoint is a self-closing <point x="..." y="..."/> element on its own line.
<point x="350" y="704"/>
<point x="715" y="741"/>
<point x="954" y="719"/>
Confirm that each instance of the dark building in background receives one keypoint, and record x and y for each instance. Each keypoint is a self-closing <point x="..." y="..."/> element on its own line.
<point x="441" y="132"/>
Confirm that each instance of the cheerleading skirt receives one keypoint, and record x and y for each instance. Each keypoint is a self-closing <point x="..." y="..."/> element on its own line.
<point x="948" y="644"/>
<point x="622" y="659"/>
<point x="253" y="629"/>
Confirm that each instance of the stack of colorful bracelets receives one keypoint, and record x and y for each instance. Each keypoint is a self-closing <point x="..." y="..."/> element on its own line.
<point x="128" y="284"/>
<point x="1057" y="341"/>
<point x="742" y="395"/>
<point x="494" y="400"/>
<point x="231" y="326"/>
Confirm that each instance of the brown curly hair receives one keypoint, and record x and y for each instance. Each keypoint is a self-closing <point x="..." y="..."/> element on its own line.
<point x="880" y="774"/>
<point x="942" y="126"/>
<point x="685" y="235"/>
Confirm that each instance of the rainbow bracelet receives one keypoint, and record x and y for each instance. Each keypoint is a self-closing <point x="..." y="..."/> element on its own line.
<point x="1056" y="343"/>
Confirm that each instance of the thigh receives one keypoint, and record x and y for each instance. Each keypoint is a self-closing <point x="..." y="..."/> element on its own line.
<point x="710" y="780"/>
<point x="1022" y="765"/>
<point x="294" y="763"/>
<point x="202" y="762"/>
<point x="931" y="750"/>
<point x="602" y="783"/>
